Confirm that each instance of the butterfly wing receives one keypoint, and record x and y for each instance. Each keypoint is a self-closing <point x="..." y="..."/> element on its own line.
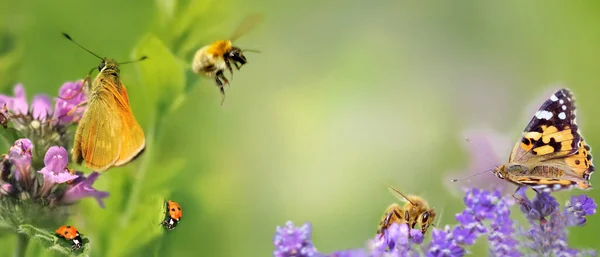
<point x="553" y="148"/>
<point x="132" y="135"/>
<point x="98" y="136"/>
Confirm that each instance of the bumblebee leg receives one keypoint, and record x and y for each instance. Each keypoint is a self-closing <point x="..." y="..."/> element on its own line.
<point x="228" y="64"/>
<point x="220" y="85"/>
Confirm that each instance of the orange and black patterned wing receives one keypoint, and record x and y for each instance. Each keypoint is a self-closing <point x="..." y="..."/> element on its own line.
<point x="552" y="138"/>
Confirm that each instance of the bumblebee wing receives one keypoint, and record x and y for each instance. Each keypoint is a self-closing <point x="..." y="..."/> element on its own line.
<point x="98" y="136"/>
<point x="246" y="25"/>
<point x="132" y="135"/>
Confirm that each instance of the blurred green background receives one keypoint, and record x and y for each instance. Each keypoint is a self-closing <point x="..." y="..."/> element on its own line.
<point x="344" y="98"/>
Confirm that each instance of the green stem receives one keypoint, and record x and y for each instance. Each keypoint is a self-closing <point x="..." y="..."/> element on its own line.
<point x="21" y="247"/>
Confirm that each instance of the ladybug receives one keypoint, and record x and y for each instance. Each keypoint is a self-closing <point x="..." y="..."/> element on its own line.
<point x="173" y="216"/>
<point x="70" y="233"/>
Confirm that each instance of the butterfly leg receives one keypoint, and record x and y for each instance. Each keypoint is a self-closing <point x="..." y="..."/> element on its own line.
<point x="518" y="199"/>
<point x="83" y="89"/>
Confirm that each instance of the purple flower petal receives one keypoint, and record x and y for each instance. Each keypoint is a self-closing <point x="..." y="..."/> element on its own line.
<point x="56" y="159"/>
<point x="577" y="208"/>
<point x="291" y="241"/>
<point x="7" y="189"/>
<point x="20" y="155"/>
<point x="55" y="171"/>
<point x="41" y="107"/>
<point x="70" y="95"/>
<point x="19" y="102"/>
<point x="443" y="244"/>
<point x="83" y="188"/>
<point x="349" y="253"/>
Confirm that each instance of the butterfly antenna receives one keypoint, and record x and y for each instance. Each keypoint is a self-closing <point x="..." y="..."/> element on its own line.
<point x="69" y="38"/>
<point x="394" y="190"/>
<point x="478" y="173"/>
<point x="472" y="175"/>
<point x="479" y="148"/>
<point x="138" y="60"/>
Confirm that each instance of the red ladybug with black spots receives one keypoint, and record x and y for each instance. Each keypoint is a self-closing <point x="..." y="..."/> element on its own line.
<point x="70" y="233"/>
<point x="173" y="215"/>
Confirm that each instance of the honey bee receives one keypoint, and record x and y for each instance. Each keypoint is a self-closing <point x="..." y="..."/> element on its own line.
<point x="212" y="60"/>
<point x="415" y="211"/>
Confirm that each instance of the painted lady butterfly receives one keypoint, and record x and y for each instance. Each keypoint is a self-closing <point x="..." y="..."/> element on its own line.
<point x="551" y="154"/>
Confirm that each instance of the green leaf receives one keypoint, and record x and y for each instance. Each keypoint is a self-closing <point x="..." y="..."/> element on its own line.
<point x="51" y="242"/>
<point x="157" y="177"/>
<point x="142" y="229"/>
<point x="9" y="136"/>
<point x="162" y="75"/>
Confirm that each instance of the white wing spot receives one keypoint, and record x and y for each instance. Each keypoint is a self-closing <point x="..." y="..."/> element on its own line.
<point x="568" y="99"/>
<point x="546" y="115"/>
<point x="562" y="115"/>
<point x="561" y="101"/>
<point x="556" y="187"/>
<point x="554" y="98"/>
<point x="564" y="107"/>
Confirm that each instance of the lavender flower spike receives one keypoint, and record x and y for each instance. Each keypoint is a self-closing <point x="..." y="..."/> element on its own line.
<point x="291" y="241"/>
<point x="501" y="238"/>
<point x="550" y="236"/>
<point x="579" y="207"/>
<point x="443" y="244"/>
<point x="82" y="187"/>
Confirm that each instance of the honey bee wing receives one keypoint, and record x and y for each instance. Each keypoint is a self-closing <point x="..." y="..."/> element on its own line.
<point x="246" y="25"/>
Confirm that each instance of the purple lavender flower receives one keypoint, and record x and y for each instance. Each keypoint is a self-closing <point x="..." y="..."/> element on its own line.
<point x="397" y="241"/>
<point x="543" y="205"/>
<point x="501" y="239"/>
<point x="579" y="207"/>
<point x="480" y="205"/>
<point x="486" y="213"/>
<point x="443" y="244"/>
<point x="545" y="237"/>
<point x="349" y="253"/>
<point x="291" y="241"/>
